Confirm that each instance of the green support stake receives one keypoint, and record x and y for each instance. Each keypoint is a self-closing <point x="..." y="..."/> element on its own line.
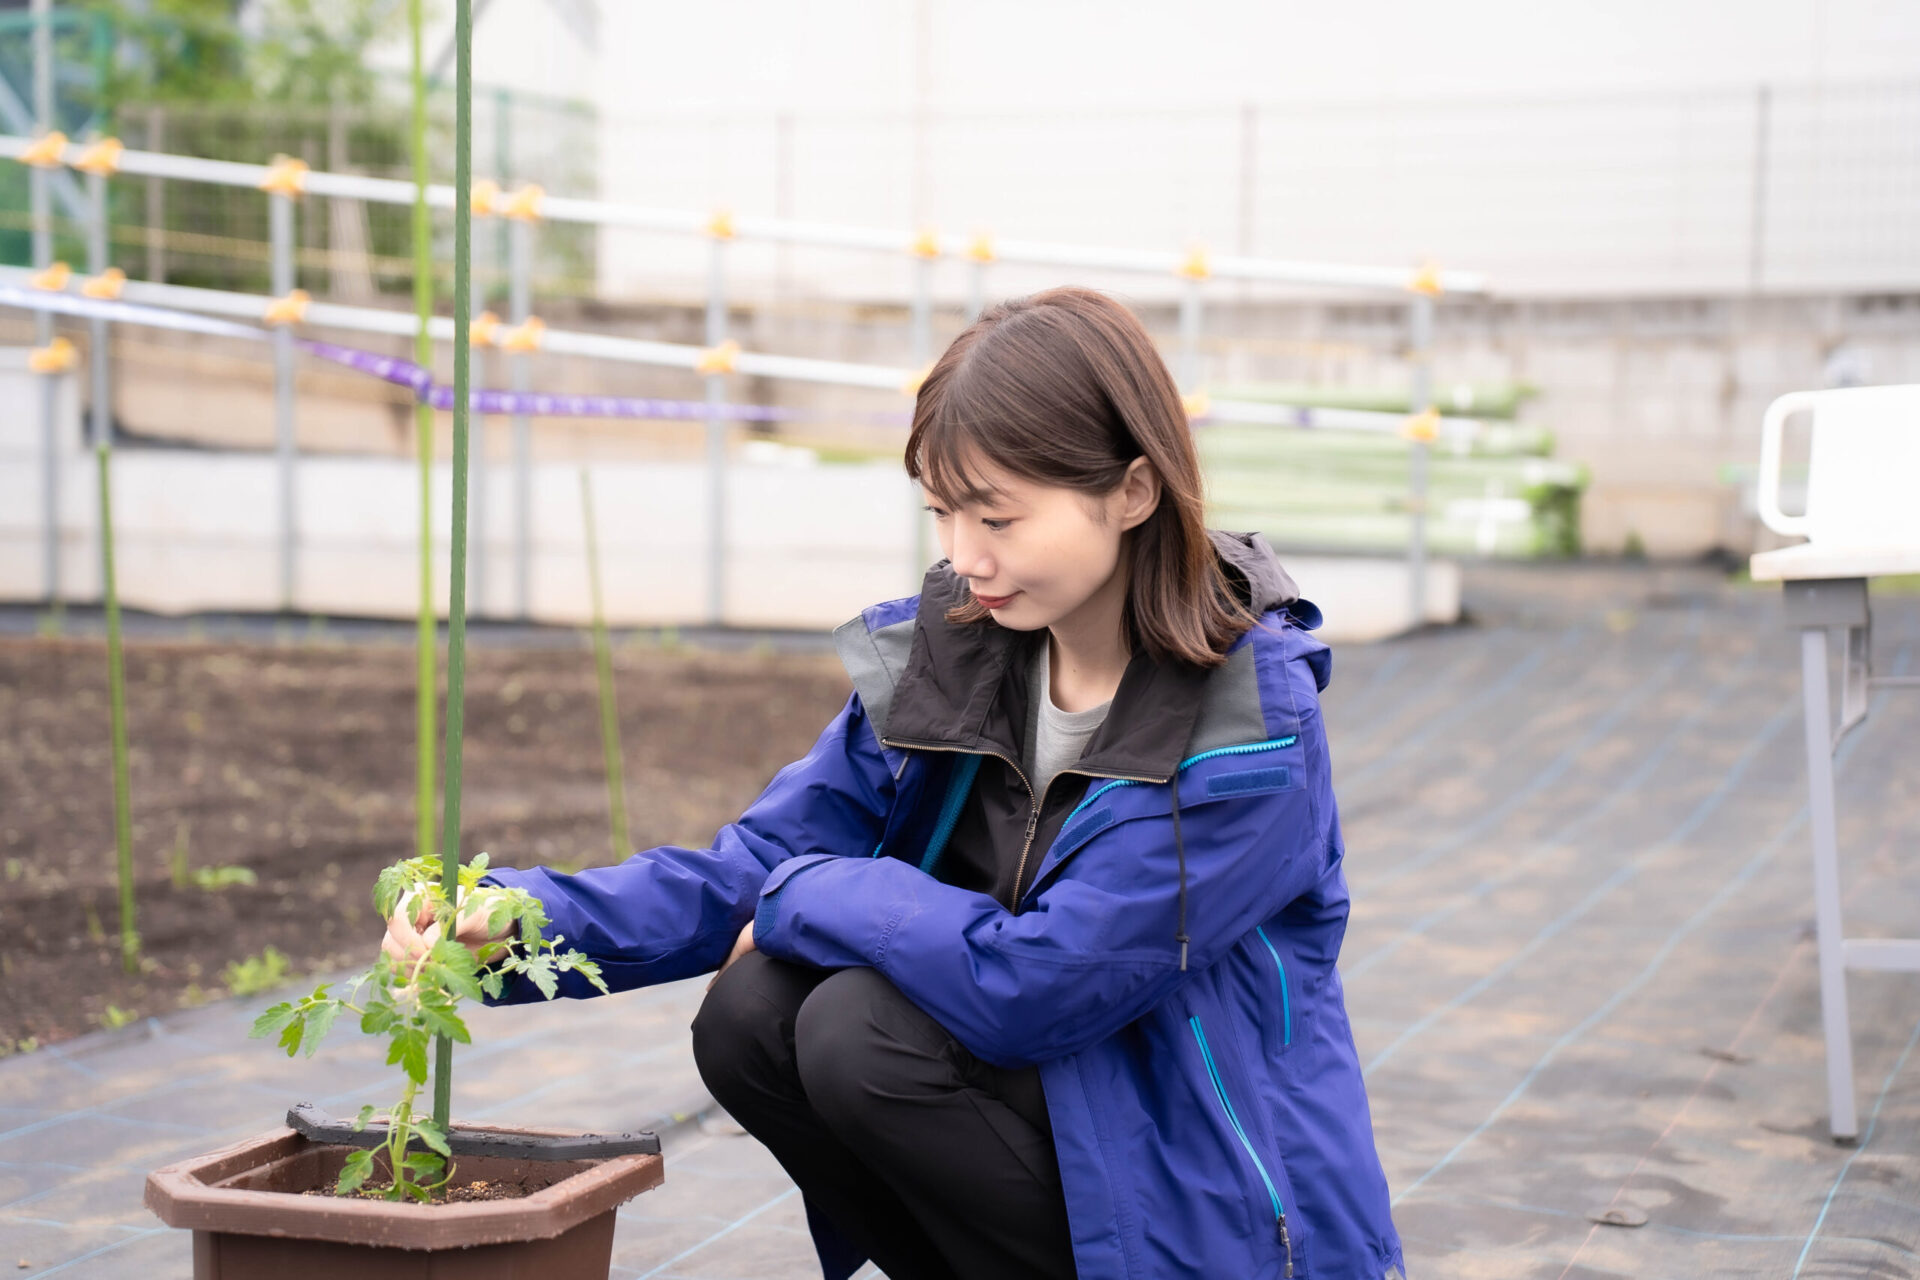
<point x="457" y="575"/>
<point x="117" y="698"/>
<point x="603" y="664"/>
<point x="423" y="446"/>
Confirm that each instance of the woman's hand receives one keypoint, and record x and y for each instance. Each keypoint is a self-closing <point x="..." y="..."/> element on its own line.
<point x="741" y="945"/>
<point x="412" y="930"/>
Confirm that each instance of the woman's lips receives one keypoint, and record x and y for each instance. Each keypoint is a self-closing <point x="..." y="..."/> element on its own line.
<point x="993" y="602"/>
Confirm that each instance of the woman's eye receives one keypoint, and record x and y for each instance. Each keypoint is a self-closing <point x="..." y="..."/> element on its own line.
<point x="938" y="514"/>
<point x="996" y="525"/>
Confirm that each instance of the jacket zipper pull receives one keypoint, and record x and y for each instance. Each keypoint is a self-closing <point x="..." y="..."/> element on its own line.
<point x="1286" y="1244"/>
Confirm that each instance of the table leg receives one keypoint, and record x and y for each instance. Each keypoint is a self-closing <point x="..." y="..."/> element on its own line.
<point x="1826" y="883"/>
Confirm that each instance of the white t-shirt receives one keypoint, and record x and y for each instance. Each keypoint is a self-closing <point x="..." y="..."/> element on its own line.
<point x="1056" y="739"/>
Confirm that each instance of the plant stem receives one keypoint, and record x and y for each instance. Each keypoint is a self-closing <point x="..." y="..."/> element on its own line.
<point x="457" y="569"/>
<point x="423" y="447"/>
<point x="603" y="664"/>
<point x="117" y="696"/>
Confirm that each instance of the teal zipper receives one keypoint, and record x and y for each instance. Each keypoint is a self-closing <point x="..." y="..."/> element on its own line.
<point x="1286" y="1001"/>
<point x="1220" y="1092"/>
<point x="1274" y="745"/>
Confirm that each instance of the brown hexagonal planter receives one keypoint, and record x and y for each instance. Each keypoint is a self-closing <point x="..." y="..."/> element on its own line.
<point x="250" y="1220"/>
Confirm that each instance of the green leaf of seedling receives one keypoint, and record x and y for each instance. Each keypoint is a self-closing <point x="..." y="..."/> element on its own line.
<point x="360" y="1121"/>
<point x="359" y="1164"/>
<point x="273" y="1020"/>
<point x="540" y="970"/>
<point x="493" y="984"/>
<point x="409" y="1049"/>
<point x="417" y="1191"/>
<point x="433" y="1135"/>
<point x="319" y="1019"/>
<point x="387" y="889"/>
<point x="477" y="864"/>
<point x="578" y="963"/>
<point x="378" y="1017"/>
<point x="425" y="1164"/>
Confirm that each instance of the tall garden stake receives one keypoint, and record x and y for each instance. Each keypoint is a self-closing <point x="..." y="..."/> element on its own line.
<point x="457" y="565"/>
<point x="117" y="697"/>
<point x="603" y="663"/>
<point x="423" y="444"/>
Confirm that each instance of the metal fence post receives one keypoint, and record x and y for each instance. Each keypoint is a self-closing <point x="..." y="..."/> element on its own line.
<point x="280" y="228"/>
<point x="716" y="438"/>
<point x="520" y="303"/>
<point x="41" y="196"/>
<point x="1419" y="400"/>
<point x="922" y="354"/>
<point x="1190" y="336"/>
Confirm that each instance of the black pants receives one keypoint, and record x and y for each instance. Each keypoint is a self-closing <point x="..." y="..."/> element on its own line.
<point x="935" y="1163"/>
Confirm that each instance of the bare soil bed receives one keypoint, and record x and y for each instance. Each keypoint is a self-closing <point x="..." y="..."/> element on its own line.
<point x="297" y="764"/>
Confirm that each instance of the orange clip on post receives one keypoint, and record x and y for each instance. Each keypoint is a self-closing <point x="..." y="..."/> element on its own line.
<point x="102" y="157"/>
<point x="57" y="356"/>
<point x="524" y="204"/>
<point x="523" y="338"/>
<point x="926" y="244"/>
<point x="107" y="286"/>
<point x="1196" y="404"/>
<point x="724" y="358"/>
<point x="915" y="381"/>
<point x="51" y="280"/>
<point x="45" y="151"/>
<point x="1426" y="280"/>
<point x="1423" y="426"/>
<point x="1195" y="266"/>
<point x="981" y="250"/>
<point x="486" y="198"/>
<point x="286" y="176"/>
<point x="291" y="309"/>
<point x="720" y="225"/>
<point x="483" y="329"/>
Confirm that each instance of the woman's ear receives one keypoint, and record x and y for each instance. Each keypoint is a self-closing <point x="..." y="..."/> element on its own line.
<point x="1138" y="494"/>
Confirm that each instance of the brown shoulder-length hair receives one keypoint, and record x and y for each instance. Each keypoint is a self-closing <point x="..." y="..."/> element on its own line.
<point x="1064" y="387"/>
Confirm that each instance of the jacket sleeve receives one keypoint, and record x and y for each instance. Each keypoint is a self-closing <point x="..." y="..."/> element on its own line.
<point x="673" y="912"/>
<point x="1094" y="949"/>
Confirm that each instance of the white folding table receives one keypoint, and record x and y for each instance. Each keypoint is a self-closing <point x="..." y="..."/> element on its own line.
<point x="1862" y="522"/>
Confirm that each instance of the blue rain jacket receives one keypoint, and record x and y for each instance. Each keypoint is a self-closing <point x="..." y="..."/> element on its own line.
<point x="1170" y="961"/>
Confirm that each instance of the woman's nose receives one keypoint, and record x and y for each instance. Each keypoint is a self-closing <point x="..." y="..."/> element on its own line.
<point x="970" y="558"/>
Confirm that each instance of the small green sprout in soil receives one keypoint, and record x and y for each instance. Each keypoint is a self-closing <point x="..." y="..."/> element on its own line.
<point x="115" y="1017"/>
<point x="215" y="879"/>
<point x="411" y="1001"/>
<point x="255" y="974"/>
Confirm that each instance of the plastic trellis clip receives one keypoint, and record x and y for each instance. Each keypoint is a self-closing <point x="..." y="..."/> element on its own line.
<point x="1197" y="404"/>
<point x="720" y="225"/>
<point x="101" y="157"/>
<point x="524" y="204"/>
<point x="486" y="198"/>
<point x="45" y="151"/>
<point x="522" y="338"/>
<point x="291" y="309"/>
<point x="107" y="286"/>
<point x="286" y="176"/>
<point x="1195" y="266"/>
<point x="724" y="358"/>
<point x="916" y="380"/>
<point x="1426" y="280"/>
<point x="926" y="244"/>
<point x="981" y="250"/>
<point x="483" y="329"/>
<point x="51" y="280"/>
<point x="57" y="356"/>
<point x="1423" y="426"/>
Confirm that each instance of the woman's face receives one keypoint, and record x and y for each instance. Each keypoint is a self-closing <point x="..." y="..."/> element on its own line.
<point x="1034" y="553"/>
